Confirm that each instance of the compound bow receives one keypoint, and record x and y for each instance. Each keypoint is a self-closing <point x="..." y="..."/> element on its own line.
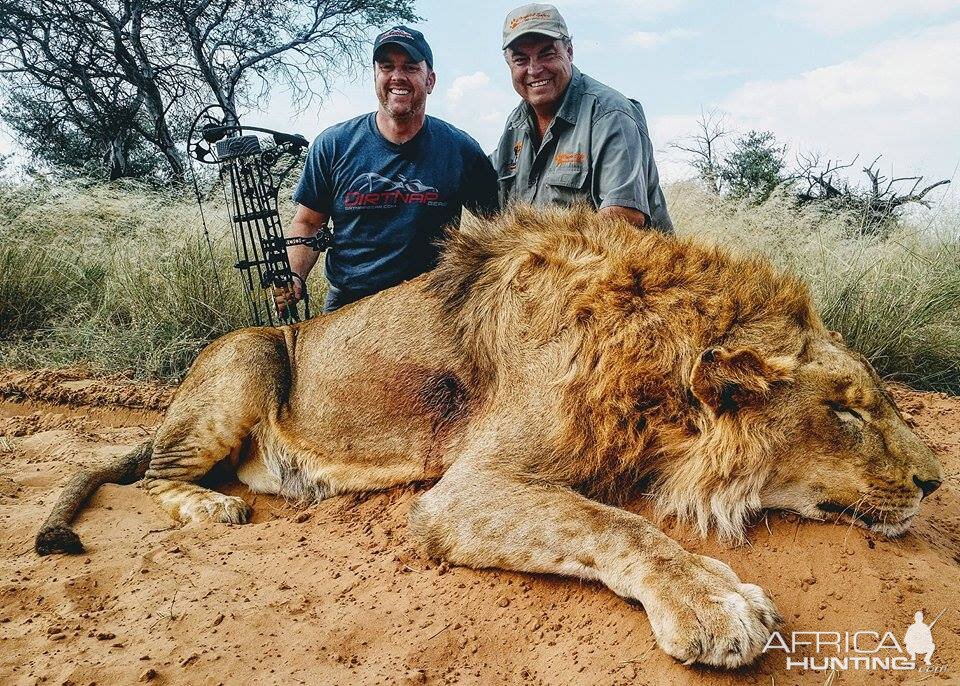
<point x="251" y="174"/>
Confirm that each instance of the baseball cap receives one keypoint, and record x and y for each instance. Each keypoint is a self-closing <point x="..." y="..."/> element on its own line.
<point x="409" y="40"/>
<point x="534" y="18"/>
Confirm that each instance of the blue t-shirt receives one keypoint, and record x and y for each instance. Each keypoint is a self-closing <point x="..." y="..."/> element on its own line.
<point x="388" y="202"/>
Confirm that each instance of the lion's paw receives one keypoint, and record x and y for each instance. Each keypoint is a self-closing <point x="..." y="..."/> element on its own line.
<point x="704" y="614"/>
<point x="216" y="507"/>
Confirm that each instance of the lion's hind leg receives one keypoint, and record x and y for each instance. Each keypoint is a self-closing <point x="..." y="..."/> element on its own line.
<point x="237" y="382"/>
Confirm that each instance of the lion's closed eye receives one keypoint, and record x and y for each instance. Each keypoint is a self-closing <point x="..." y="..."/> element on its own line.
<point x="847" y="414"/>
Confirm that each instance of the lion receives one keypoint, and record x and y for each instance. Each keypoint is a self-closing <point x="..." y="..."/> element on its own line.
<point x="555" y="364"/>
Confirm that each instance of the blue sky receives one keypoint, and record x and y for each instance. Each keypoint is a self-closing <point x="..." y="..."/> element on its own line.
<point x="838" y="76"/>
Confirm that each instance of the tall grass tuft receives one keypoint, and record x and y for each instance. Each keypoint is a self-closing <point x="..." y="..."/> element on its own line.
<point x="116" y="276"/>
<point x="119" y="276"/>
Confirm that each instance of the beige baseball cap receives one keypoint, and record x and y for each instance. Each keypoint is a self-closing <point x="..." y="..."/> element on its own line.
<point x="534" y="18"/>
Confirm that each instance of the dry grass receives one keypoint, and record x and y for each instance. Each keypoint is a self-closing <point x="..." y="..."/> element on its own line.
<point x="896" y="300"/>
<point x="119" y="277"/>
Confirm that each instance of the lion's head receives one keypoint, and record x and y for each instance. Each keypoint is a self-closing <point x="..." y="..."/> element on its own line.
<point x="814" y="433"/>
<point x="849" y="451"/>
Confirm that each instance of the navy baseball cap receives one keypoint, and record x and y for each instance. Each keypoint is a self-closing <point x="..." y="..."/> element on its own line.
<point x="409" y="40"/>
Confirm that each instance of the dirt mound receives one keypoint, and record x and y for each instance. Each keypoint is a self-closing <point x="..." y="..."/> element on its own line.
<point x="338" y="594"/>
<point x="75" y="386"/>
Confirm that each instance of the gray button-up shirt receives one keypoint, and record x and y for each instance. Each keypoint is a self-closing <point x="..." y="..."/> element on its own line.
<point x="596" y="150"/>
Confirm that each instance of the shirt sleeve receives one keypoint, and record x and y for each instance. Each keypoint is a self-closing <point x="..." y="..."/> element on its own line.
<point x="314" y="188"/>
<point x="624" y="171"/>
<point x="620" y="151"/>
<point x="481" y="191"/>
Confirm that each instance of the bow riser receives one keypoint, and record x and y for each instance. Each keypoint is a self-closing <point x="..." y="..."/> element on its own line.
<point x="251" y="180"/>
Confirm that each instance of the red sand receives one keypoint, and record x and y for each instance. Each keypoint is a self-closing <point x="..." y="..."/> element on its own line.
<point x="338" y="594"/>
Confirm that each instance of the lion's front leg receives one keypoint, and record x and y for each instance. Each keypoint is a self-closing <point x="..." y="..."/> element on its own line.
<point x="698" y="608"/>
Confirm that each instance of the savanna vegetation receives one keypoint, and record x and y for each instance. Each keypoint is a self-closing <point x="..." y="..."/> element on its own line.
<point x="119" y="276"/>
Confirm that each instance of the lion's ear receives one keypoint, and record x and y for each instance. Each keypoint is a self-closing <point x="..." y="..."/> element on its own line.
<point x="727" y="380"/>
<point x="836" y="337"/>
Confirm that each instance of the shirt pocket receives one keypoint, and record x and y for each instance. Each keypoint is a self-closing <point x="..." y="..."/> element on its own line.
<point x="565" y="186"/>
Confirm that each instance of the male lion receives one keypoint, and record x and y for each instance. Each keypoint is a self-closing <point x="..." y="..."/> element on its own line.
<point x="555" y="361"/>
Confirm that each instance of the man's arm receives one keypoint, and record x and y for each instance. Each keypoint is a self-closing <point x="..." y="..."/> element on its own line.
<point x="481" y="192"/>
<point x="622" y="162"/>
<point x="306" y="224"/>
<point x="635" y="217"/>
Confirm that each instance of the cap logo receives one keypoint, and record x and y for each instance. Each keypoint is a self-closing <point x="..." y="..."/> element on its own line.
<point x="516" y="21"/>
<point x="394" y="33"/>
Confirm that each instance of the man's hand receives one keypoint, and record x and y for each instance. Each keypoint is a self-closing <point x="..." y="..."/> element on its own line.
<point x="284" y="297"/>
<point x="635" y="217"/>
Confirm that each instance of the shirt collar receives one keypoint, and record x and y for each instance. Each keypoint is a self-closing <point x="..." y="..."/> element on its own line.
<point x="570" y="107"/>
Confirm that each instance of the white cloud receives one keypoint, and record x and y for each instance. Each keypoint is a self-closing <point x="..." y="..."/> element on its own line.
<point x="833" y="17"/>
<point x="899" y="98"/>
<point x="478" y="104"/>
<point x="648" y="40"/>
<point x="464" y="85"/>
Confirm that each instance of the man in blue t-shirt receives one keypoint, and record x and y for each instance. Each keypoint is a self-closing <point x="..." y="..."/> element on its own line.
<point x="389" y="180"/>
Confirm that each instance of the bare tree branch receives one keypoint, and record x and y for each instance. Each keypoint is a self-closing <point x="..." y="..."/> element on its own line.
<point x="878" y="205"/>
<point x="703" y="146"/>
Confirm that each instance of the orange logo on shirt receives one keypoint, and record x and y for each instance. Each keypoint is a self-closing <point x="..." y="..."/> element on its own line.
<point x="568" y="158"/>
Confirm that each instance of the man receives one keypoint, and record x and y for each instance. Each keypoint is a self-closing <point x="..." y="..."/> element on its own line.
<point x="572" y="139"/>
<point x="389" y="180"/>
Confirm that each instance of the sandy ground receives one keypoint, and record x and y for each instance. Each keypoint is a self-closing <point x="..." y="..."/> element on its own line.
<point x="338" y="594"/>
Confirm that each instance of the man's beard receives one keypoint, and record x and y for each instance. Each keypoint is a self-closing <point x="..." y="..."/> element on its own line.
<point x="409" y="112"/>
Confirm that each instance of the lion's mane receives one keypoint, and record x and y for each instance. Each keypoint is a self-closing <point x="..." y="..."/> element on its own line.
<point x="630" y="312"/>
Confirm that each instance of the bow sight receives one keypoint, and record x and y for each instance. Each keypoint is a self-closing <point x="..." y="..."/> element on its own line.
<point x="251" y="171"/>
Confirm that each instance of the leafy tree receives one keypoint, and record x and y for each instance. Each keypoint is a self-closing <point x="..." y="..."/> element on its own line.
<point x="755" y="166"/>
<point x="68" y="140"/>
<point x="242" y="49"/>
<point x="121" y="74"/>
<point x="107" y="68"/>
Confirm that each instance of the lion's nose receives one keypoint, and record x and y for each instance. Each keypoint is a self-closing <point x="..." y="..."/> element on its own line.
<point x="927" y="487"/>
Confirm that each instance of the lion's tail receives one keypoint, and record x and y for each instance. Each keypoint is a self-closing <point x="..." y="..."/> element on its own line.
<point x="55" y="535"/>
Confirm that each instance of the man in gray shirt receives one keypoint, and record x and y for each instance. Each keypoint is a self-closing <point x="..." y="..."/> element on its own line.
<point x="572" y="139"/>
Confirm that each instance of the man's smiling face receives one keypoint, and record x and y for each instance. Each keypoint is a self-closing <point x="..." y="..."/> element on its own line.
<point x="402" y="85"/>
<point x="541" y="68"/>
